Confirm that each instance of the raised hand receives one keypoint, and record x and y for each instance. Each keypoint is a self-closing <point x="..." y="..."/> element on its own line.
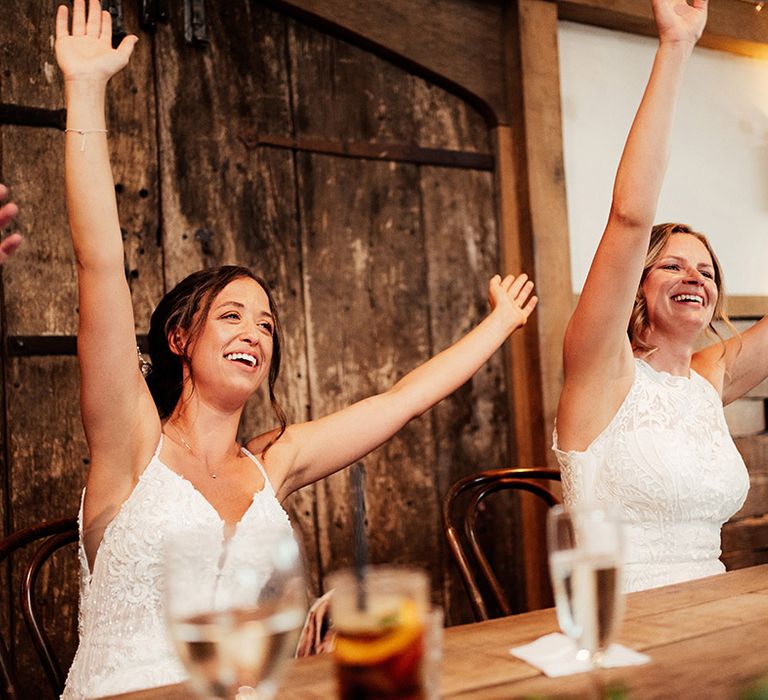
<point x="679" y="21"/>
<point x="7" y="214"/>
<point x="510" y="297"/>
<point x="86" y="51"/>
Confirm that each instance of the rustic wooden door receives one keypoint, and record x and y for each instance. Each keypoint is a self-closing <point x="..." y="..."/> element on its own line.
<point x="330" y="172"/>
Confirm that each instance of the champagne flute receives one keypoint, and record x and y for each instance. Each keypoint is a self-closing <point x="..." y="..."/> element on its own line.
<point x="234" y="608"/>
<point x="585" y="563"/>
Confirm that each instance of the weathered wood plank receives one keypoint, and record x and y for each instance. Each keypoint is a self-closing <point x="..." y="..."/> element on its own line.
<point x="732" y="26"/>
<point x="743" y="306"/>
<point x="367" y="325"/>
<point x="745" y="542"/>
<point x="459" y="48"/>
<point x="472" y="427"/>
<point x="532" y="208"/>
<point x="224" y="203"/>
<point x="47" y="446"/>
<point x="49" y="461"/>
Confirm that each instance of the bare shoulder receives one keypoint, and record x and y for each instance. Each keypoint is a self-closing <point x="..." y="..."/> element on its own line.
<point x="272" y="449"/>
<point x="710" y="363"/>
<point x="589" y="403"/>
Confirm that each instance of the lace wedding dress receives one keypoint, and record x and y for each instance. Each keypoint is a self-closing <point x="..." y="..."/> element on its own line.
<point x="668" y="463"/>
<point x="123" y="642"/>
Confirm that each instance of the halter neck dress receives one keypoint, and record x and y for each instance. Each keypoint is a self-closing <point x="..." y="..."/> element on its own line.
<point x="668" y="463"/>
<point x="123" y="642"/>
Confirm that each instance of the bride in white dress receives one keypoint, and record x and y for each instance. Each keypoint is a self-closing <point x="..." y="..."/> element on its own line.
<point x="640" y="422"/>
<point x="214" y="340"/>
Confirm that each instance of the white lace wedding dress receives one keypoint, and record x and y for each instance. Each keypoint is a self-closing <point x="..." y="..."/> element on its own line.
<point x="668" y="462"/>
<point x="123" y="643"/>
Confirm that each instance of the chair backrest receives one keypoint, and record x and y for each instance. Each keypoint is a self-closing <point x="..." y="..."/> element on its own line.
<point x="477" y="488"/>
<point x="45" y="539"/>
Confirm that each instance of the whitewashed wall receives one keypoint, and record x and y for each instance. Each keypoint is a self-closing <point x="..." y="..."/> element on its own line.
<point x="718" y="175"/>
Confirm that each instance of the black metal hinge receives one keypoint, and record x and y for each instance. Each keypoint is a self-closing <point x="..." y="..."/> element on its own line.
<point x="33" y="116"/>
<point x="152" y="12"/>
<point x="195" y="29"/>
<point x="51" y="345"/>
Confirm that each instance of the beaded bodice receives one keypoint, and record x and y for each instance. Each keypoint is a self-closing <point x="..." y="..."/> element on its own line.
<point x="668" y="462"/>
<point x="123" y="642"/>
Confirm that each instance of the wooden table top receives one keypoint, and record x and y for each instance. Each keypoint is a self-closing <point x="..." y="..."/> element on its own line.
<point x="706" y="638"/>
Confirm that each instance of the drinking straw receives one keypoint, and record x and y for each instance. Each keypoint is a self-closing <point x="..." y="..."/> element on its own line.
<point x="357" y="478"/>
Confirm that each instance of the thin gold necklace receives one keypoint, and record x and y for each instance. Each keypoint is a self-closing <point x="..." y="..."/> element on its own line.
<point x="186" y="445"/>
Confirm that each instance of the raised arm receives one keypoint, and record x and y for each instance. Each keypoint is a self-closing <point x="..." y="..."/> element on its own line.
<point x="596" y="348"/>
<point x="112" y="388"/>
<point x="7" y="214"/>
<point x="743" y="365"/>
<point x="309" y="451"/>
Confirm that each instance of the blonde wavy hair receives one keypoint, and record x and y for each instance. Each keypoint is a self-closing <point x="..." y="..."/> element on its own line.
<point x="638" y="321"/>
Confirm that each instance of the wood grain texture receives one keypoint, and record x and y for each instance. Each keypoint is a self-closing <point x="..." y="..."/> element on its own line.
<point x="532" y="208"/>
<point x="472" y="427"/>
<point x="695" y="634"/>
<point x="459" y="47"/>
<point x="49" y="460"/>
<point x="48" y="456"/>
<point x="732" y="25"/>
<point x="367" y="325"/>
<point x="224" y="203"/>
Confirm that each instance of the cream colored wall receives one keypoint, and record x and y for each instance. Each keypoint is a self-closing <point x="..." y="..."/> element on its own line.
<point x="718" y="175"/>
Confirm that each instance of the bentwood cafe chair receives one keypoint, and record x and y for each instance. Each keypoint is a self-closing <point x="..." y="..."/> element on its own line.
<point x="31" y="550"/>
<point x="461" y="509"/>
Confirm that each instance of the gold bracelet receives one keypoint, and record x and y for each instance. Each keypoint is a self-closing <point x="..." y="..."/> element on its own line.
<point x="84" y="134"/>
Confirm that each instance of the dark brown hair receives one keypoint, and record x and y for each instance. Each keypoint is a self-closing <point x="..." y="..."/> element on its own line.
<point x="638" y="321"/>
<point x="186" y="308"/>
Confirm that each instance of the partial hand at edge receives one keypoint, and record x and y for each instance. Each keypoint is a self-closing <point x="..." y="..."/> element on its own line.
<point x="7" y="214"/>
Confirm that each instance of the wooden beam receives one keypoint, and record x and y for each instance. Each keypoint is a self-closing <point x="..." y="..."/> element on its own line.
<point x="456" y="44"/>
<point x="539" y="137"/>
<point x="535" y="238"/>
<point x="743" y="306"/>
<point x="733" y="25"/>
<point x="739" y="306"/>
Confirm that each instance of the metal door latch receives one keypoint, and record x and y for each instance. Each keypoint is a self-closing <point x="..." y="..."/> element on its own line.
<point x="195" y="31"/>
<point x="152" y="12"/>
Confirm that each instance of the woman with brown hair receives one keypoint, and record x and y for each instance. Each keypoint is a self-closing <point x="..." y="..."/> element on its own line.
<point x="640" y="423"/>
<point x="164" y="452"/>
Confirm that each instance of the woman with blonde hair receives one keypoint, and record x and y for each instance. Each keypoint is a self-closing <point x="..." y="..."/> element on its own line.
<point x="640" y="423"/>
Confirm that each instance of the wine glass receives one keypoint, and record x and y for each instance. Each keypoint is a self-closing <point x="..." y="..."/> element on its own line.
<point x="585" y="563"/>
<point x="234" y="608"/>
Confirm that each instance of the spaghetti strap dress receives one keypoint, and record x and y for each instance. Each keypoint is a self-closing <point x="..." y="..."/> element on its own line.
<point x="123" y="643"/>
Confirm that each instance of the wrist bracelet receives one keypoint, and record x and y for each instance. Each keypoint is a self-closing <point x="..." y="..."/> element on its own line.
<point x="84" y="134"/>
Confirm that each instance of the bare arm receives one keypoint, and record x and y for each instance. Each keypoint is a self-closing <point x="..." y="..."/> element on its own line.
<point x="309" y="451"/>
<point x="113" y="393"/>
<point x="597" y="352"/>
<point x="743" y="366"/>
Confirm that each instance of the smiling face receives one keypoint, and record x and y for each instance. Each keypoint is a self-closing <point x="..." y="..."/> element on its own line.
<point x="231" y="355"/>
<point x="680" y="287"/>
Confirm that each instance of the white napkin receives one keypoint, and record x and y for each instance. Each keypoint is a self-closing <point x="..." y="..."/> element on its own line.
<point x="555" y="654"/>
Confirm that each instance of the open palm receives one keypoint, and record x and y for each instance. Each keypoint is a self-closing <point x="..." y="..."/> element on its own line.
<point x="86" y="50"/>
<point x="512" y="297"/>
<point x="679" y="21"/>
